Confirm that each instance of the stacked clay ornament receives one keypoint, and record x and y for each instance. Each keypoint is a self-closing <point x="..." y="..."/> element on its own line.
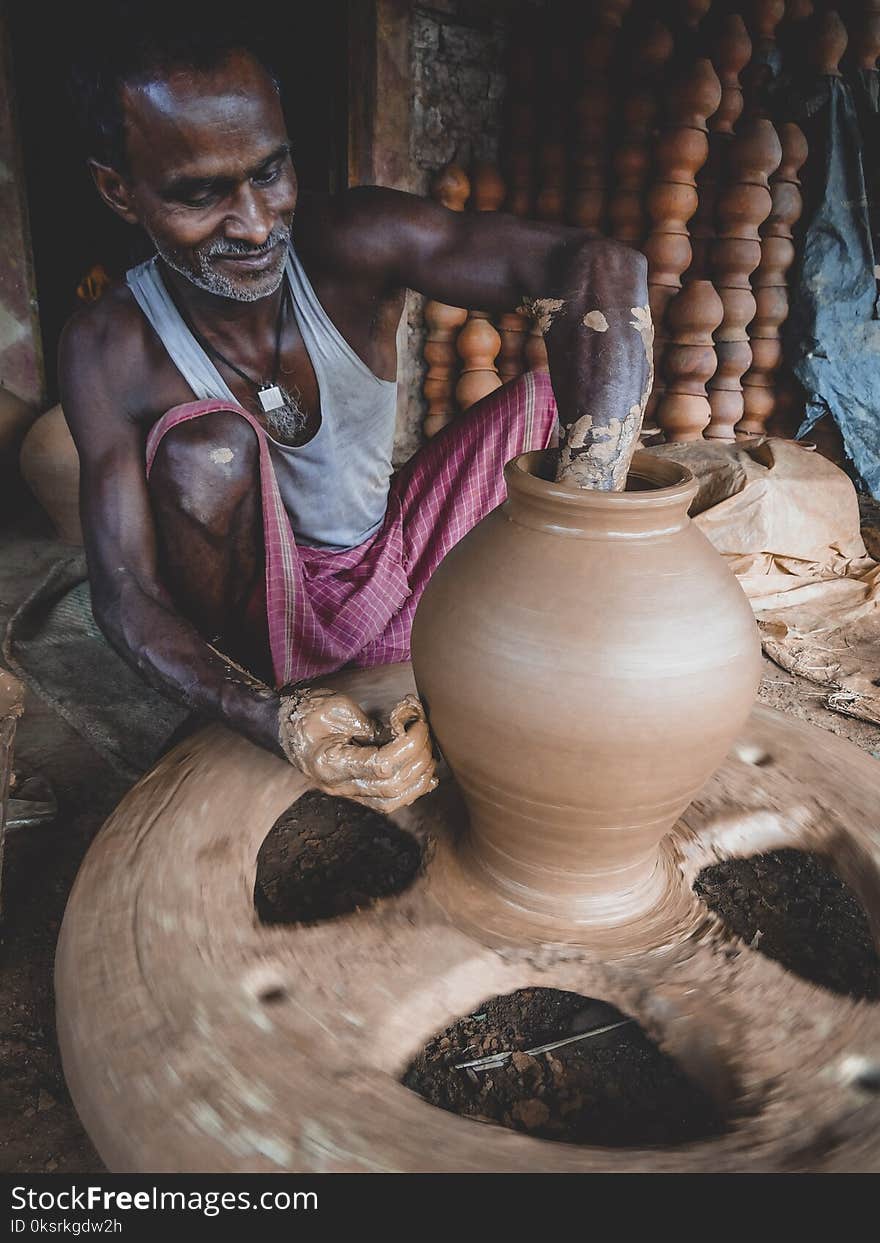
<point x="552" y="151"/>
<point x="764" y="18"/>
<point x="828" y="45"/>
<point x="865" y="39"/>
<point x="520" y="129"/>
<point x="442" y="323"/>
<point x="633" y="154"/>
<point x="589" y="169"/>
<point x="769" y="284"/>
<point x="743" y="205"/>
<point x="478" y="342"/>
<point x="672" y="199"/>
<point x="731" y="51"/>
<point x="691" y="318"/>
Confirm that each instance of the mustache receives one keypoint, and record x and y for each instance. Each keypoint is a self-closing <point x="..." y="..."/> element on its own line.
<point x="227" y="247"/>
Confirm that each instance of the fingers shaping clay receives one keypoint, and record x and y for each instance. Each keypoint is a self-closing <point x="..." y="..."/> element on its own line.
<point x="328" y="738"/>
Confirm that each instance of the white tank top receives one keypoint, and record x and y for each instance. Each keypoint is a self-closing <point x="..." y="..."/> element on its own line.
<point x="335" y="487"/>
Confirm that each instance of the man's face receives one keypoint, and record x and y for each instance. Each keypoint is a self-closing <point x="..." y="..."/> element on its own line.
<point x="211" y="180"/>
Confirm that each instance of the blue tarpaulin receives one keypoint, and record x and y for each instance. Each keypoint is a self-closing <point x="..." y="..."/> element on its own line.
<point x="833" y="332"/>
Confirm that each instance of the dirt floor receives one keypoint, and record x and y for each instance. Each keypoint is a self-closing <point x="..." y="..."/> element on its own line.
<point x="39" y="1129"/>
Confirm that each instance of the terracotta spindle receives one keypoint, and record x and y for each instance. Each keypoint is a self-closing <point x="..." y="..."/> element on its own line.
<point x="550" y="203"/>
<point x="743" y="205"/>
<point x="829" y="44"/>
<point x="633" y="154"/>
<point x="764" y="17"/>
<point x="798" y="10"/>
<point x="586" y="206"/>
<point x="587" y="202"/>
<point x="553" y="125"/>
<point x="731" y="51"/>
<point x="521" y="128"/>
<point x="478" y="345"/>
<point x="488" y="193"/>
<point x="865" y="40"/>
<point x="792" y="34"/>
<point x="442" y="324"/>
<point x="487" y="187"/>
<point x="693" y="11"/>
<point x="769" y="284"/>
<point x="680" y="153"/>
<point x="689" y="361"/>
<point x="478" y="342"/>
<point x="535" y="351"/>
<point x="452" y="188"/>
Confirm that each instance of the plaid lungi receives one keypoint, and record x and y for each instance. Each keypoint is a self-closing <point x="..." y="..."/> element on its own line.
<point x="326" y="610"/>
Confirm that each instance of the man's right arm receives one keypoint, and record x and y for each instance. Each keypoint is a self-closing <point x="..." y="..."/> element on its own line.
<point x="130" y="604"/>
<point x="325" y="734"/>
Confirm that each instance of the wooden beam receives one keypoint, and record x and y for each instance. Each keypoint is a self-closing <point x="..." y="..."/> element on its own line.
<point x="379" y="93"/>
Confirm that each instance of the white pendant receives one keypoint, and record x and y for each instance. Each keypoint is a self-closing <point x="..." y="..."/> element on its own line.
<point x="270" y="397"/>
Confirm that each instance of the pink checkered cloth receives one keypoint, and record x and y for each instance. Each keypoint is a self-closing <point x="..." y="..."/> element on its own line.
<point x="326" y="610"/>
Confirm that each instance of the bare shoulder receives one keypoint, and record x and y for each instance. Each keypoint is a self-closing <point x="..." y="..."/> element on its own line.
<point x="111" y="327"/>
<point x="105" y="359"/>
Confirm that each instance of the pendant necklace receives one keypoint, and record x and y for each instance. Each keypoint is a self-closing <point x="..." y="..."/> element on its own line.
<point x="284" y="414"/>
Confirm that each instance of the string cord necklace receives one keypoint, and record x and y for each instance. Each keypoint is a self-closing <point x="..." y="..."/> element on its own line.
<point x="285" y="416"/>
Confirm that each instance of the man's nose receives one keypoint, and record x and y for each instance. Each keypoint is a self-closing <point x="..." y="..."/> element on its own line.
<point x="250" y="220"/>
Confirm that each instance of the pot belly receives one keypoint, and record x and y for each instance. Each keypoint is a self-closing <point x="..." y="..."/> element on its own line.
<point x="582" y="692"/>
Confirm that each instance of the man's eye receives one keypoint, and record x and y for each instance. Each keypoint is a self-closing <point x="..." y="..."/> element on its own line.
<point x="266" y="178"/>
<point x="204" y="199"/>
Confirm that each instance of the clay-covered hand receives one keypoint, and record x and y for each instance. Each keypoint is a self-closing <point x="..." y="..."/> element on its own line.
<point x="329" y="738"/>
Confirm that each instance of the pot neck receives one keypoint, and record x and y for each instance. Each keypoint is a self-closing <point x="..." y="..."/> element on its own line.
<point x="655" y="503"/>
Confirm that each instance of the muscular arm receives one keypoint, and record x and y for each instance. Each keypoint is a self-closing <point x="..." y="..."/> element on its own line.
<point x="590" y="296"/>
<point x="130" y="604"/>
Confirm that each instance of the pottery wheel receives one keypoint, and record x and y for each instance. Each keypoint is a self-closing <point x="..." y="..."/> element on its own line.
<point x="196" y="1038"/>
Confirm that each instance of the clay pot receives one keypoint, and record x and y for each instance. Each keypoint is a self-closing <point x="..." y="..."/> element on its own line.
<point x="50" y="467"/>
<point x="16" y="416"/>
<point x="586" y="659"/>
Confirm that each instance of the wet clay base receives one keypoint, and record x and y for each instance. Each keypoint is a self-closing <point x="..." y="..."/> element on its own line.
<point x="615" y="1089"/>
<point x="197" y="1037"/>
<point x="326" y="856"/>
<point x="789" y="905"/>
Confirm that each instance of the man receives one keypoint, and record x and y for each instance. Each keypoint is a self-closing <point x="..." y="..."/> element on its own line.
<point x="233" y="404"/>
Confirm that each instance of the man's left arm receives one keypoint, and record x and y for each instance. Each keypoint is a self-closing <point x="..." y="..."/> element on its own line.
<point x="589" y="294"/>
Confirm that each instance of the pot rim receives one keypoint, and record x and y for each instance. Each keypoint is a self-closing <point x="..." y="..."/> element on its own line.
<point x="671" y="484"/>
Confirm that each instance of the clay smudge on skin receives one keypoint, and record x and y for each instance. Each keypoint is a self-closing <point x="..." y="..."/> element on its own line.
<point x="599" y="457"/>
<point x="596" y="320"/>
<point x="222" y="457"/>
<point x="542" y="310"/>
<point x="644" y="326"/>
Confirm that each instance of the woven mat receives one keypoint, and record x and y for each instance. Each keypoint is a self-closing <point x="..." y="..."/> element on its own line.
<point x="55" y="647"/>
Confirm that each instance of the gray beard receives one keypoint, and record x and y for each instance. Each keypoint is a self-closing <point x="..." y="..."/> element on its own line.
<point x="196" y="267"/>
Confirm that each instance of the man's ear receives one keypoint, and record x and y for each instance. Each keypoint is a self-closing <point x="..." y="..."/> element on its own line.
<point x="114" y="190"/>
